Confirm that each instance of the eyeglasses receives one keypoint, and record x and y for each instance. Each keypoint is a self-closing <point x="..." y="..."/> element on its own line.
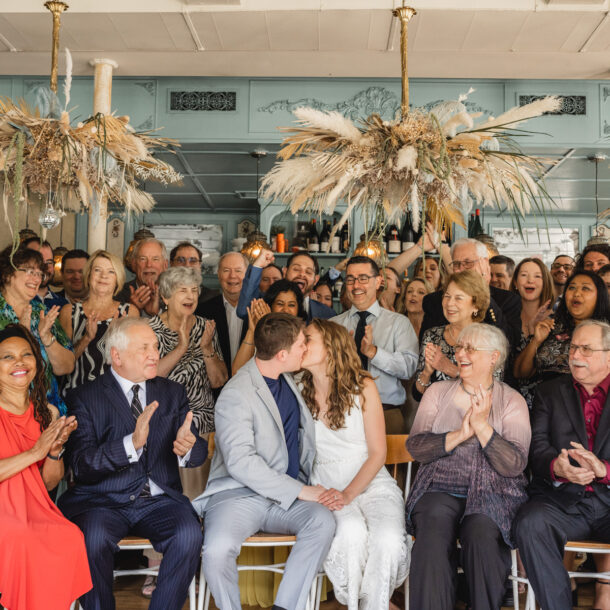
<point x="566" y="266"/>
<point x="30" y="272"/>
<point x="181" y="260"/>
<point x="585" y="350"/>
<point x="470" y="349"/>
<point x="350" y="280"/>
<point x="465" y="264"/>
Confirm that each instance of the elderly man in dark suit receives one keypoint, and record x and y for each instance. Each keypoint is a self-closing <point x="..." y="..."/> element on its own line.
<point x="222" y="309"/>
<point x="134" y="430"/>
<point x="570" y="460"/>
<point x="504" y="306"/>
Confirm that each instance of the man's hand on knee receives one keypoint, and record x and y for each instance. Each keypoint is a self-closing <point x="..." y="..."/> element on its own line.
<point x="311" y="493"/>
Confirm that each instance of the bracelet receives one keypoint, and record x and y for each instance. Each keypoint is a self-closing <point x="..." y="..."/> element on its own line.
<point x="57" y="457"/>
<point x="247" y="342"/>
<point x="209" y="355"/>
<point x="421" y="383"/>
<point x="49" y="343"/>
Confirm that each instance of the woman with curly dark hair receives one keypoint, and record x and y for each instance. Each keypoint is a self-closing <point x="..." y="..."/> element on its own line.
<point x="20" y="278"/>
<point x="369" y="555"/>
<point x="43" y="561"/>
<point x="547" y="353"/>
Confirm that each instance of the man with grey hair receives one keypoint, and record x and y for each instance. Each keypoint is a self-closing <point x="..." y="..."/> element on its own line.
<point x="149" y="262"/>
<point x="504" y="306"/>
<point x="135" y="430"/>
<point x="222" y="309"/>
<point x="570" y="461"/>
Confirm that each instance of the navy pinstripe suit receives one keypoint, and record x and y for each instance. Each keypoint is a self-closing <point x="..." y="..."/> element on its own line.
<point x="106" y="503"/>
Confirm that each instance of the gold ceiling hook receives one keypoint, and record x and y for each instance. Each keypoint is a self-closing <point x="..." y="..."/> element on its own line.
<point x="57" y="8"/>
<point x="404" y="13"/>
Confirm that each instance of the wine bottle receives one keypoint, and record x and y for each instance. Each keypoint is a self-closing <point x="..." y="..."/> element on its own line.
<point x="477" y="227"/>
<point x="335" y="244"/>
<point x="345" y="238"/>
<point x="313" y="239"/>
<point x="393" y="240"/>
<point x="407" y="237"/>
<point x="470" y="225"/>
<point x="324" y="236"/>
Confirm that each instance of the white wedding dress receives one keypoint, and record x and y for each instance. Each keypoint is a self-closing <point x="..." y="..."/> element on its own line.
<point x="369" y="556"/>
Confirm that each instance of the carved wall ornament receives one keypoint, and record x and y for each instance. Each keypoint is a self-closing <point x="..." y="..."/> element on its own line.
<point x="207" y="101"/>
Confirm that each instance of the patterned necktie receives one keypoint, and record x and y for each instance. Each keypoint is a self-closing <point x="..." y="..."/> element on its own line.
<point x="358" y="336"/>
<point x="136" y="405"/>
<point x="136" y="411"/>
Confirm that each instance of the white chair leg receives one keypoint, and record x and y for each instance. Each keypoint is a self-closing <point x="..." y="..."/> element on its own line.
<point x="202" y="589"/>
<point x="530" y="604"/>
<point x="208" y="594"/>
<point x="73" y="605"/>
<point x="406" y="585"/>
<point x="514" y="572"/>
<point x="320" y="579"/>
<point x="193" y="594"/>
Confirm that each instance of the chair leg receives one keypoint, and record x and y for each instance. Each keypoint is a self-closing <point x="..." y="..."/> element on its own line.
<point x="406" y="585"/>
<point x="530" y="604"/>
<point x="320" y="579"/>
<point x="514" y="572"/>
<point x="193" y="594"/>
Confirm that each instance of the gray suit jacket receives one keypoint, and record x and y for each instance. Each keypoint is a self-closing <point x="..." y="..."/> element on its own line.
<point x="251" y="456"/>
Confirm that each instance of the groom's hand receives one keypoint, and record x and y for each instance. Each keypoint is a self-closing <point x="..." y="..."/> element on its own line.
<point x="311" y="493"/>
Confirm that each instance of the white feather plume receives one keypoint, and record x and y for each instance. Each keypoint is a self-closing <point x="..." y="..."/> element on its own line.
<point x="519" y="114"/>
<point x="330" y="121"/>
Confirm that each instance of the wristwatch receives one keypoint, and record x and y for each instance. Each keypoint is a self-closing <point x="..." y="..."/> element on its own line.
<point x="50" y="342"/>
<point x="58" y="456"/>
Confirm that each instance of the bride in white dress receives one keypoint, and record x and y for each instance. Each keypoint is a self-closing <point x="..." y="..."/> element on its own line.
<point x="369" y="556"/>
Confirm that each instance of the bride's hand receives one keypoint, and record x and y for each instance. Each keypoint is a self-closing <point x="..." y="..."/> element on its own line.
<point x="333" y="499"/>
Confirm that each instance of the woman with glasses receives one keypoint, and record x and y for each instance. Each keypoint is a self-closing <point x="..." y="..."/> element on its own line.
<point x="465" y="301"/>
<point x="20" y="277"/>
<point x="546" y="354"/>
<point x="471" y="436"/>
<point x="534" y="284"/>
<point x="86" y="323"/>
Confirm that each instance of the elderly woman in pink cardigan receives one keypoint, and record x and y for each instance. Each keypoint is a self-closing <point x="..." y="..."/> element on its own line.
<point x="471" y="436"/>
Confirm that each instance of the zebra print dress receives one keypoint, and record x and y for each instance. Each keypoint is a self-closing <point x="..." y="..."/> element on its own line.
<point x="90" y="364"/>
<point x="190" y="370"/>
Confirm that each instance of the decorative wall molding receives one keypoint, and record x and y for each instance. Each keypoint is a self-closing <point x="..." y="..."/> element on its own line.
<point x="147" y="124"/>
<point x="208" y="101"/>
<point x="150" y="86"/>
<point x="378" y="100"/>
<point x="575" y="105"/>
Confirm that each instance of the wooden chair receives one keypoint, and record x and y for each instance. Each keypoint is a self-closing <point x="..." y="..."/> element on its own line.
<point x="259" y="540"/>
<point x="576" y="546"/>
<point x="134" y="543"/>
<point x="397" y="454"/>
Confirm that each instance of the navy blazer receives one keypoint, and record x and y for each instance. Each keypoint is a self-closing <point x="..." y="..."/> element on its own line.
<point x="250" y="291"/>
<point x="214" y="309"/>
<point x="103" y="475"/>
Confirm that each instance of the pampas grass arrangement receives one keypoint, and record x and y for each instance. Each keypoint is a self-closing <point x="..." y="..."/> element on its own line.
<point x="434" y="164"/>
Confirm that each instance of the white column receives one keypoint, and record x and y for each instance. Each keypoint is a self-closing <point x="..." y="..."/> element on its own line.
<point x="102" y="95"/>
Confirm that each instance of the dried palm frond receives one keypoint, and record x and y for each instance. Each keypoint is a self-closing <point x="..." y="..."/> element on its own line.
<point x="427" y="161"/>
<point x="100" y="158"/>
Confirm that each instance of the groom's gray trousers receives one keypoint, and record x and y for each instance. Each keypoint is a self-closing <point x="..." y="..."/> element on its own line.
<point x="229" y="522"/>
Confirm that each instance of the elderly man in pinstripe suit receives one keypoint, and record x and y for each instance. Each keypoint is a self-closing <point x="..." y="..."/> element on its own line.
<point x="135" y="429"/>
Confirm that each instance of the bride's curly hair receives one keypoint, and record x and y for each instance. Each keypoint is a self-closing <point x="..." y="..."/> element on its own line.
<point x="344" y="370"/>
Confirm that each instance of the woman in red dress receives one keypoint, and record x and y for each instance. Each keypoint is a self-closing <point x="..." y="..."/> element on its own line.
<point x="43" y="561"/>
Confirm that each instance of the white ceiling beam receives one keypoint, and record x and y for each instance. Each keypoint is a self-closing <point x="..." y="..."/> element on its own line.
<point x="594" y="33"/>
<point x="8" y="44"/>
<point x="193" y="30"/>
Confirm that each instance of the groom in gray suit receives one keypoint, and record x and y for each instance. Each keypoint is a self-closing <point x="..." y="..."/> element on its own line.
<point x="265" y="448"/>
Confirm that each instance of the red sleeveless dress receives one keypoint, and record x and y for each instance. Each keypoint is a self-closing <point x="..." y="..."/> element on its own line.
<point x="43" y="560"/>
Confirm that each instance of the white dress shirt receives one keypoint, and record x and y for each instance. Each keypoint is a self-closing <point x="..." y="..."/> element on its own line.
<point x="234" y="322"/>
<point x="134" y="454"/>
<point x="397" y="349"/>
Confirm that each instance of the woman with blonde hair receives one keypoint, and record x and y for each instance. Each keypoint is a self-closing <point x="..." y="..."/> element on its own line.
<point x="369" y="556"/>
<point x="465" y="302"/>
<point x="86" y="323"/>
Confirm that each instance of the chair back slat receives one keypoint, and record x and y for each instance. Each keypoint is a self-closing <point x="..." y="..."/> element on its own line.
<point x="396" y="454"/>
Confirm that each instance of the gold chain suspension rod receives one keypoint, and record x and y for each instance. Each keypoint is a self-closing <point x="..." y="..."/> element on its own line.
<point x="404" y="13"/>
<point x="57" y="8"/>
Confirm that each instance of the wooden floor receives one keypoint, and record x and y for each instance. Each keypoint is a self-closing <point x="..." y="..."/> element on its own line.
<point x="127" y="594"/>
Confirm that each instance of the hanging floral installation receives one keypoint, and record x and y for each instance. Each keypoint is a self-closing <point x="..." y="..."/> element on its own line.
<point x="43" y="156"/>
<point x="433" y="163"/>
